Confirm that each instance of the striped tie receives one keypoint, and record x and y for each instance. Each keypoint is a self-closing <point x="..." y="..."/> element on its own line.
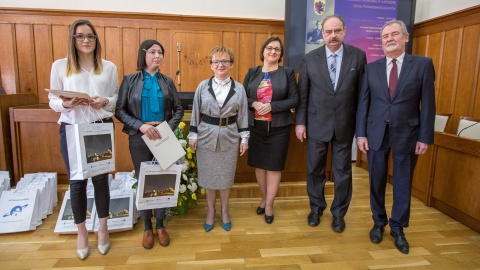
<point x="333" y="69"/>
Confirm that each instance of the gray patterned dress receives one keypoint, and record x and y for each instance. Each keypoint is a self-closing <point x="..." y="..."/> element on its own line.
<point x="218" y="147"/>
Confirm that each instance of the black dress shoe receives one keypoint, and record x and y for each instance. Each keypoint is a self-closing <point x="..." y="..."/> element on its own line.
<point x="269" y="219"/>
<point x="313" y="219"/>
<point x="376" y="234"/>
<point x="260" y="211"/>
<point x="400" y="242"/>
<point x="338" y="224"/>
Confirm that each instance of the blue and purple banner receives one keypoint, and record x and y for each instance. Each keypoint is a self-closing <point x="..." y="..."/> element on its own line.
<point x="363" y="21"/>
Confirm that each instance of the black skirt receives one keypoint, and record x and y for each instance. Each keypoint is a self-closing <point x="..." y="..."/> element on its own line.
<point x="268" y="146"/>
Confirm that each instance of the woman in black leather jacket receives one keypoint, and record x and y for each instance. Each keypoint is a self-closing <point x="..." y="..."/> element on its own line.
<point x="146" y="99"/>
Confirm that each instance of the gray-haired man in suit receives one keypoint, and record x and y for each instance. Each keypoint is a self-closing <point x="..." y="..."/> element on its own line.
<point x="329" y="83"/>
<point x="396" y="112"/>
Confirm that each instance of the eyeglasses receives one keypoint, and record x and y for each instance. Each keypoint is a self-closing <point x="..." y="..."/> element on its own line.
<point x="81" y="37"/>
<point x="153" y="52"/>
<point x="217" y="62"/>
<point x="274" y="49"/>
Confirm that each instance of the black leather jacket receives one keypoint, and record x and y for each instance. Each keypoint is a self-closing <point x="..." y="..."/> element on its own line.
<point x="129" y="104"/>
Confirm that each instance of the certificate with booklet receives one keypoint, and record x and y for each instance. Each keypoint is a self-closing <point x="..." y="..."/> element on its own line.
<point x="167" y="150"/>
<point x="69" y="94"/>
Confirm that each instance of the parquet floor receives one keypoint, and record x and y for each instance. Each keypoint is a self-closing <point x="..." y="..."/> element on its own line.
<point x="436" y="241"/>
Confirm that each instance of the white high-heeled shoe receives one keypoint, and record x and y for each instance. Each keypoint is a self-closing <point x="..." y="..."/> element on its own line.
<point x="104" y="249"/>
<point x="83" y="253"/>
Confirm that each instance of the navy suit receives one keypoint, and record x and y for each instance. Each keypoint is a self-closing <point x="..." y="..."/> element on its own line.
<point x="396" y="124"/>
<point x="329" y="116"/>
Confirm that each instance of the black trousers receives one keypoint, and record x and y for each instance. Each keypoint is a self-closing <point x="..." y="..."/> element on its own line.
<point x="140" y="153"/>
<point x="78" y="188"/>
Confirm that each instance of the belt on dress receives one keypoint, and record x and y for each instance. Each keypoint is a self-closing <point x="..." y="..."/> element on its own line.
<point x="154" y="123"/>
<point x="222" y="122"/>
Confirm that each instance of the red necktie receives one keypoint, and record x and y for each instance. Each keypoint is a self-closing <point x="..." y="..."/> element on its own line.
<point x="393" y="79"/>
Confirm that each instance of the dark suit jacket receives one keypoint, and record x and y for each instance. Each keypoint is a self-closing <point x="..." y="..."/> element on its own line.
<point x="129" y="104"/>
<point x="322" y="109"/>
<point x="411" y="111"/>
<point x="284" y="96"/>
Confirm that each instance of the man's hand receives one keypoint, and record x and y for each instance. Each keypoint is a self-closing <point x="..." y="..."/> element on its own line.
<point x="362" y="144"/>
<point x="301" y="132"/>
<point x="421" y="148"/>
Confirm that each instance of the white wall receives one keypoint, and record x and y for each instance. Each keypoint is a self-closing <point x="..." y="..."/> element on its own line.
<point x="429" y="9"/>
<point x="261" y="9"/>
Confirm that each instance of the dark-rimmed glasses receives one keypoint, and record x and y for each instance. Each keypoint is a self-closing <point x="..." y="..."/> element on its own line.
<point x="217" y="62"/>
<point x="276" y="49"/>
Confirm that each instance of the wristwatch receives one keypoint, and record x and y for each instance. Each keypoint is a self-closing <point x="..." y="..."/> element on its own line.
<point x="106" y="102"/>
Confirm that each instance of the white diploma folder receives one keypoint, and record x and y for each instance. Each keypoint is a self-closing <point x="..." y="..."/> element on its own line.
<point x="69" y="94"/>
<point x="167" y="150"/>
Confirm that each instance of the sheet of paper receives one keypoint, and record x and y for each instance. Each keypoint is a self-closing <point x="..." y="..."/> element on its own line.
<point x="167" y="150"/>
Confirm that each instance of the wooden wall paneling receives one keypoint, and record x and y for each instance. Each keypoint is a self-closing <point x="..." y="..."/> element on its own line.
<point x="44" y="59"/>
<point x="195" y="61"/>
<point x="26" y="59"/>
<point x="130" y="37"/>
<point x="476" y="106"/>
<point x="101" y="37"/>
<point x="230" y="40"/>
<point x="170" y="61"/>
<point x="8" y="56"/>
<point x="246" y="54"/>
<point x="147" y="33"/>
<point x="453" y="165"/>
<point x="420" y="45"/>
<point x="259" y="39"/>
<point x="123" y="159"/>
<point x="466" y="73"/>
<point x="449" y="73"/>
<point x="114" y="48"/>
<point x="59" y="41"/>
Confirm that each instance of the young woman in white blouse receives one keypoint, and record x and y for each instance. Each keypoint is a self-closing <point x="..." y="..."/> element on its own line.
<point x="85" y="71"/>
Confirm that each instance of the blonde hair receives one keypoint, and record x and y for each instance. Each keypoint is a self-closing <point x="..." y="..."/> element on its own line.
<point x="221" y="49"/>
<point x="73" y="67"/>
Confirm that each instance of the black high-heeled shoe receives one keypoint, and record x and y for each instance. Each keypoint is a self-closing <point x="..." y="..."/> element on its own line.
<point x="269" y="219"/>
<point x="260" y="211"/>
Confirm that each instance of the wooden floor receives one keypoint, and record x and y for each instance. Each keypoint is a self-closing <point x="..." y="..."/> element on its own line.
<point x="436" y="241"/>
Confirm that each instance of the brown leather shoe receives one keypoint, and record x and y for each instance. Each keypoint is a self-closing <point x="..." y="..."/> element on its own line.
<point x="147" y="239"/>
<point x="163" y="237"/>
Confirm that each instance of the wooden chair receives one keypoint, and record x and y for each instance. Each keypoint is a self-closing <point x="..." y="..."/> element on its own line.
<point x="441" y="120"/>
<point x="469" y="127"/>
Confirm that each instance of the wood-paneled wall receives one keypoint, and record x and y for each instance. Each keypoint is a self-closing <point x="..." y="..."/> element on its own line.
<point x="453" y="42"/>
<point x="32" y="39"/>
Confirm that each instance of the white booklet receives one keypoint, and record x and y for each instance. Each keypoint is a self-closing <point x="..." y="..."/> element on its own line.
<point x="168" y="149"/>
<point x="69" y="94"/>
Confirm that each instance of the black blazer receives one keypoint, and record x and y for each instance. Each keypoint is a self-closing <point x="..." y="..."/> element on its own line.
<point x="129" y="104"/>
<point x="284" y="96"/>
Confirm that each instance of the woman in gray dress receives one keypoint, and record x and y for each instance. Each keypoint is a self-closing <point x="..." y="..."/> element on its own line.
<point x="218" y="132"/>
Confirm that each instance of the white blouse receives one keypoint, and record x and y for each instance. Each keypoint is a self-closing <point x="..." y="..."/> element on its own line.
<point x="104" y="85"/>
